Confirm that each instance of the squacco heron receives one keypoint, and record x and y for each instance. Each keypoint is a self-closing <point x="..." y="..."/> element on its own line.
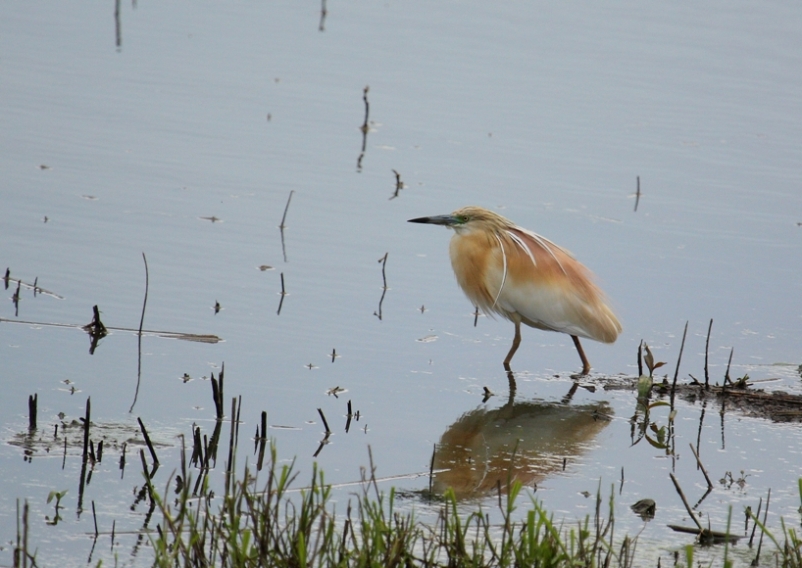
<point x="507" y="270"/>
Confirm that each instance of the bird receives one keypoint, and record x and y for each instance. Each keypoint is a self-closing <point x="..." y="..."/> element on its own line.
<point x="512" y="272"/>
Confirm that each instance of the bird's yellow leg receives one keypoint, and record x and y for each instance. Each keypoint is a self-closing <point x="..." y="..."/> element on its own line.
<point x="515" y="343"/>
<point x="585" y="363"/>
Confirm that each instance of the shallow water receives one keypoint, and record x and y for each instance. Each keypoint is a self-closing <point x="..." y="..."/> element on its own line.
<point x="185" y="141"/>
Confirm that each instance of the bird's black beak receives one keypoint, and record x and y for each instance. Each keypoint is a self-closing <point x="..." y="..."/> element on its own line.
<point x="447" y="220"/>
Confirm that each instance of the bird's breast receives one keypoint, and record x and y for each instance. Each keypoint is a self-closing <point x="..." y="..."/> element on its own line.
<point x="478" y="267"/>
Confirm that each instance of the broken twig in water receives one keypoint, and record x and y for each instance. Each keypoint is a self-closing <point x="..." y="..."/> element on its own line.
<point x="685" y="501"/>
<point x="729" y="362"/>
<point x="262" y="442"/>
<point x="94" y="517"/>
<point x="383" y="261"/>
<point x="217" y="392"/>
<point x="139" y="335"/>
<point x="145" y="300"/>
<point x="365" y="128"/>
<point x="282" y="226"/>
<point x="85" y="453"/>
<point x="707" y="351"/>
<point x="756" y="562"/>
<point x="702" y="467"/>
<point x="147" y="441"/>
<point x="399" y="185"/>
<point x="431" y="468"/>
<point x="16" y="298"/>
<point x="22" y="284"/>
<point x="95" y="329"/>
<point x="32" y="404"/>
<point x="282" y="293"/>
<point x="286" y="208"/>
<point x="326" y="435"/>
<point x="325" y="423"/>
<point x="637" y="193"/>
<point x="323" y="11"/>
<point x="679" y="360"/>
<point x="198" y="337"/>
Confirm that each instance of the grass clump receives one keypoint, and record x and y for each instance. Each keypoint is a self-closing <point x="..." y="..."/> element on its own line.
<point x="278" y="526"/>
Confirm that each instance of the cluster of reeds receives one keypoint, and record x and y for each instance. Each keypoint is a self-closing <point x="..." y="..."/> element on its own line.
<point x="277" y="525"/>
<point x="274" y="525"/>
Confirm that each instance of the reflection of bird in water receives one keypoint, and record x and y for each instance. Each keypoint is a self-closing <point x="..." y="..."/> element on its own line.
<point x="515" y="273"/>
<point x="477" y="450"/>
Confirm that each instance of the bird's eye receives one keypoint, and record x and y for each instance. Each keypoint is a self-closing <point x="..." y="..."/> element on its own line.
<point x="462" y="219"/>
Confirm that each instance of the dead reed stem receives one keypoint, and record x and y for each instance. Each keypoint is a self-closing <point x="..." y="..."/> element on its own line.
<point x="702" y="467"/>
<point x="707" y="351"/>
<point x="147" y="441"/>
<point x="679" y="360"/>
<point x="685" y="501"/>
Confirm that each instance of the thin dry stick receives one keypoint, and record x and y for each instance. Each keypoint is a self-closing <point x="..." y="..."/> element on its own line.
<point x="754" y="525"/>
<point x="118" y="31"/>
<point x="349" y="415"/>
<point x="383" y="261"/>
<point x="147" y="441"/>
<point x="15" y="298"/>
<point x="86" y="428"/>
<point x="637" y="194"/>
<point x="283" y="293"/>
<point x="282" y="226"/>
<point x="145" y="471"/>
<point x="707" y="350"/>
<point x="139" y="336"/>
<point x="727" y="372"/>
<point x="325" y="423"/>
<point x="232" y="443"/>
<point x="367" y="110"/>
<point x="399" y="185"/>
<point x="701" y="422"/>
<point x="262" y="442"/>
<point x="765" y="518"/>
<point x="286" y="207"/>
<point x="94" y="517"/>
<point x="145" y="301"/>
<point x="431" y="468"/>
<point x="220" y="377"/>
<point x="684" y="501"/>
<point x="702" y="467"/>
<point x="323" y="442"/>
<point x="25" y="534"/>
<point x="32" y="405"/>
<point x="679" y="360"/>
<point x="365" y="128"/>
<point x="323" y="11"/>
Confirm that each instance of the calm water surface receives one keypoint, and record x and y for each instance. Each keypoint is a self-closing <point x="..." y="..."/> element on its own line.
<point x="186" y="139"/>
